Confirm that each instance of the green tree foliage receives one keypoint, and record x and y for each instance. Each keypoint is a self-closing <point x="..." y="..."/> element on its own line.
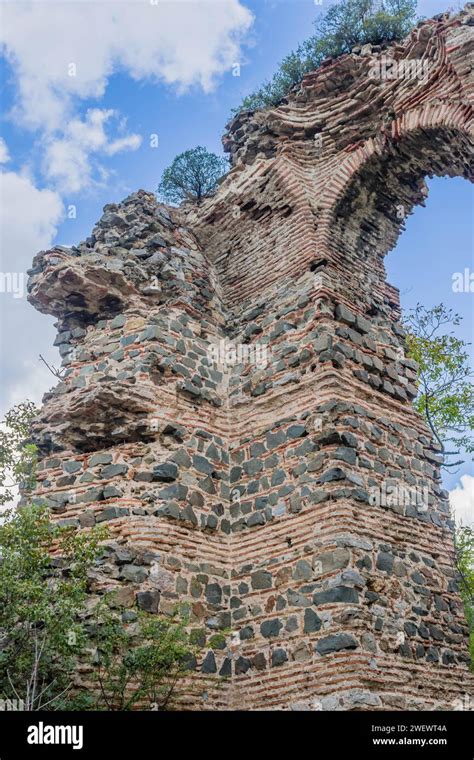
<point x="464" y="548"/>
<point x="139" y="662"/>
<point x="446" y="400"/>
<point x="445" y="389"/>
<point x="192" y="176"/>
<point x="43" y="587"/>
<point x="17" y="454"/>
<point x="345" y="25"/>
<point x="45" y="628"/>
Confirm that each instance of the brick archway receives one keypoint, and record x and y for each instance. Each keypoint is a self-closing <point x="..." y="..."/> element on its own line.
<point x="386" y="181"/>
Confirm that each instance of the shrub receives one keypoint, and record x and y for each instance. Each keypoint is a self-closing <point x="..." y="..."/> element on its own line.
<point x="345" y="25"/>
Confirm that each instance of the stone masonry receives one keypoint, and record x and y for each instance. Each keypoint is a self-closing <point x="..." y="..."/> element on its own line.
<point x="293" y="503"/>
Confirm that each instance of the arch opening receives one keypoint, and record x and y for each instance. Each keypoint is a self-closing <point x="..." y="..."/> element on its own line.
<point x="369" y="217"/>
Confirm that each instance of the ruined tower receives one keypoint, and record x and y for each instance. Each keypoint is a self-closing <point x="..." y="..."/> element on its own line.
<point x="262" y="492"/>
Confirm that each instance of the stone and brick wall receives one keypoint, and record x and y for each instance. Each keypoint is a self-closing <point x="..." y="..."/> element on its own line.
<point x="291" y="496"/>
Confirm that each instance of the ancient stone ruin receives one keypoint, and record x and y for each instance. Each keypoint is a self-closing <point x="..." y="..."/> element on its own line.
<point x="237" y="401"/>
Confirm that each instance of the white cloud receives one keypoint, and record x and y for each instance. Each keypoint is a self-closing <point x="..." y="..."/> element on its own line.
<point x="35" y="380"/>
<point x="131" y="142"/>
<point x="63" y="51"/>
<point x="29" y="218"/>
<point x="461" y="500"/>
<point x="66" y="160"/>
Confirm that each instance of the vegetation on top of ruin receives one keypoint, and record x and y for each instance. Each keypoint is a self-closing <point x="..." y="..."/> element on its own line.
<point x="195" y="174"/>
<point x="192" y="176"/>
<point x="346" y="25"/>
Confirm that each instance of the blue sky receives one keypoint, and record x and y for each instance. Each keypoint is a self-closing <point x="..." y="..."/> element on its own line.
<point x="82" y="136"/>
<point x="438" y="241"/>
